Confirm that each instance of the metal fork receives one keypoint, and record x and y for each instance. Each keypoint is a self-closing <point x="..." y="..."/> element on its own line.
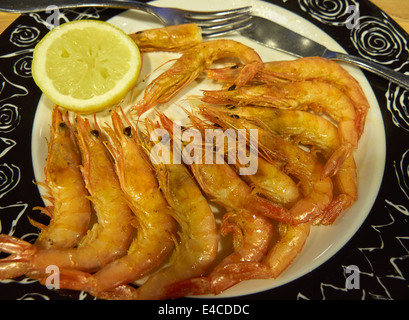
<point x="212" y="23"/>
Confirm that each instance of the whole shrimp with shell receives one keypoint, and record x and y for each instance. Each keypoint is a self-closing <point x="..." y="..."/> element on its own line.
<point x="70" y="209"/>
<point x="268" y="180"/>
<point x="153" y="218"/>
<point x="315" y="132"/>
<point x="317" y="191"/>
<point x="176" y="38"/>
<point x="191" y="64"/>
<point x="252" y="231"/>
<point x="198" y="236"/>
<point x="306" y="69"/>
<point x="303" y="95"/>
<point x="107" y="240"/>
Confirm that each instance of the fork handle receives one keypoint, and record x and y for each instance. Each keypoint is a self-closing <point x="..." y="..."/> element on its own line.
<point x="396" y="77"/>
<point x="27" y="6"/>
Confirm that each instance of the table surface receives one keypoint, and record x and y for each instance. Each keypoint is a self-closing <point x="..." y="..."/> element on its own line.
<point x="397" y="9"/>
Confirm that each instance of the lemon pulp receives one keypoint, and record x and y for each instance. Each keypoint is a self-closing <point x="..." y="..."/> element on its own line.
<point x="86" y="65"/>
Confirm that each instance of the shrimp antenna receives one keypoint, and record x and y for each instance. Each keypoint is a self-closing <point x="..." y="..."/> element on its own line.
<point x="160" y="66"/>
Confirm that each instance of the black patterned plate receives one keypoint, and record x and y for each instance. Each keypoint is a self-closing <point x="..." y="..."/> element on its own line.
<point x="371" y="237"/>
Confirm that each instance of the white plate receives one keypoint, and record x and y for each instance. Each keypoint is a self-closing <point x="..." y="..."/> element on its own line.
<point x="324" y="241"/>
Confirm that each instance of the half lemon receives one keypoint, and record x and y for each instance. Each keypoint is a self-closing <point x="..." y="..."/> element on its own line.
<point x="86" y="66"/>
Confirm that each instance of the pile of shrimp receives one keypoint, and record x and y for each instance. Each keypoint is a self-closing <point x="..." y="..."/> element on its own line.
<point x="124" y="225"/>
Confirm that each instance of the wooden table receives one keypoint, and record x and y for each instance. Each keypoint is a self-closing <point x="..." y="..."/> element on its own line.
<point x="397" y="9"/>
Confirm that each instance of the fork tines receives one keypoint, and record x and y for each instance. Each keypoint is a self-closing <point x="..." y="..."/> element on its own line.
<point x="216" y="23"/>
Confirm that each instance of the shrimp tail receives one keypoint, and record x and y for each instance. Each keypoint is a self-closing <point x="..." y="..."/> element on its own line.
<point x="123" y="292"/>
<point x="74" y="280"/>
<point x="18" y="262"/>
<point x="335" y="208"/>
<point x="82" y="281"/>
<point x="337" y="159"/>
<point x="246" y="270"/>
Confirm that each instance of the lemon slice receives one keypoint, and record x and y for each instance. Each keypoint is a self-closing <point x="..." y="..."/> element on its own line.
<point x="86" y="66"/>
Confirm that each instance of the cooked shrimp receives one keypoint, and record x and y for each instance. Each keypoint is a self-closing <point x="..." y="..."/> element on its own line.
<point x="191" y="64"/>
<point x="198" y="234"/>
<point x="71" y="210"/>
<point x="269" y="179"/>
<point x="252" y="235"/>
<point x="308" y="68"/>
<point x="155" y="225"/>
<point x="252" y="232"/>
<point x="281" y="255"/>
<point x="271" y="182"/>
<point x="301" y="95"/>
<point x="346" y="187"/>
<point x="302" y="165"/>
<point x="316" y="132"/>
<point x="224" y="186"/>
<point x="109" y="237"/>
<point x="289" y="245"/>
<point x="170" y="38"/>
<point x="302" y="127"/>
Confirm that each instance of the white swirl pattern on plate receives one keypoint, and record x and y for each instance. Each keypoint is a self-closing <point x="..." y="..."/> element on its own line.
<point x="9" y="178"/>
<point x="9" y="89"/>
<point x="15" y="210"/>
<point x="5" y="145"/>
<point x="398" y="103"/>
<point x="22" y="67"/>
<point x="378" y="40"/>
<point x="9" y="117"/>
<point x="402" y="173"/>
<point x="331" y="12"/>
<point x="25" y="36"/>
